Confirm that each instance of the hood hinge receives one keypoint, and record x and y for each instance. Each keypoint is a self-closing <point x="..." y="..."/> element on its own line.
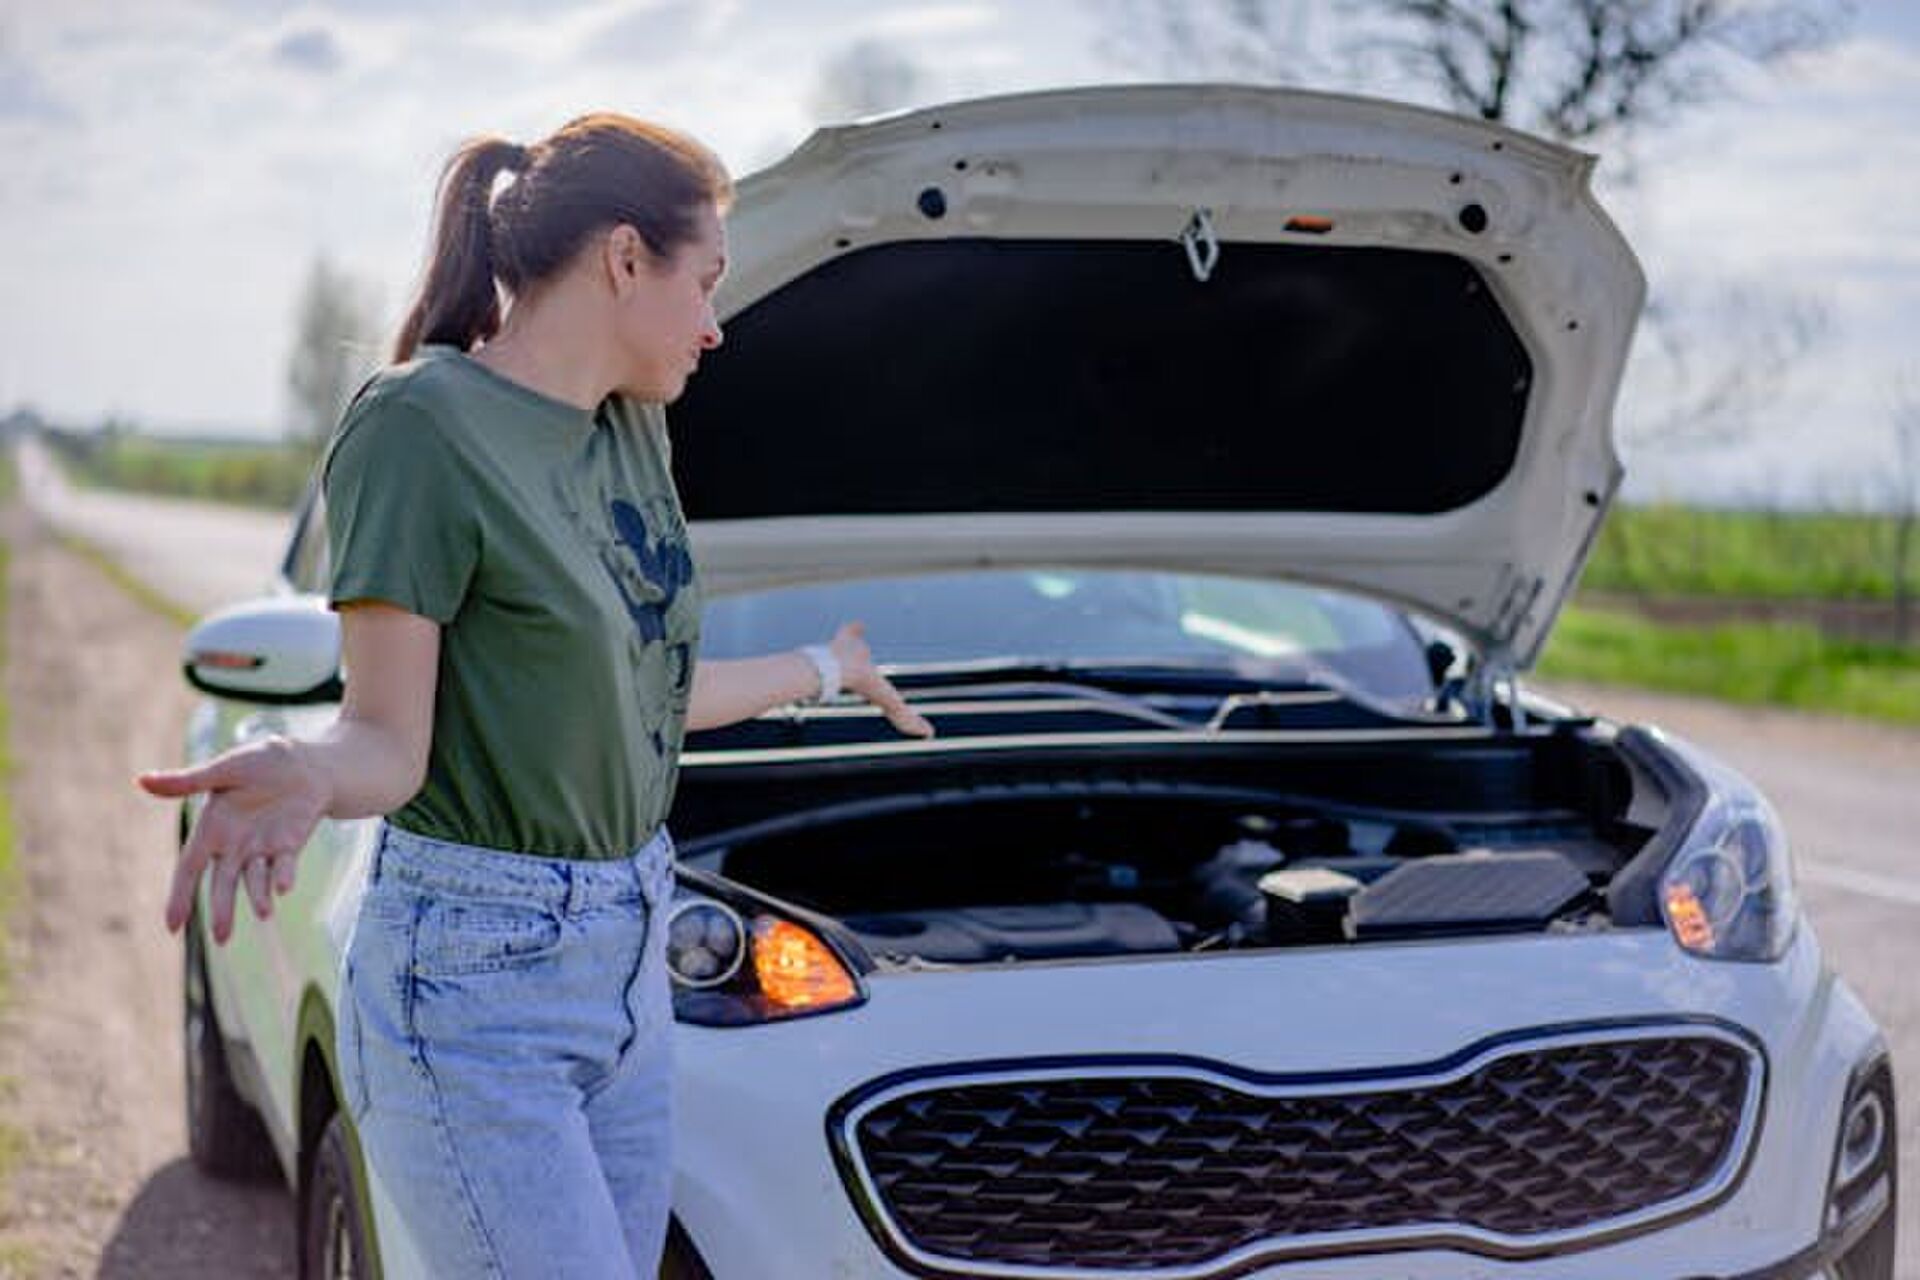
<point x="1491" y="677"/>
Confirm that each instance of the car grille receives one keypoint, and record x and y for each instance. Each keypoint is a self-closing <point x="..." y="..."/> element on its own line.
<point x="1146" y="1168"/>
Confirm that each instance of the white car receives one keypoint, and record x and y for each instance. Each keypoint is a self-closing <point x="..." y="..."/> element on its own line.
<point x="1208" y="463"/>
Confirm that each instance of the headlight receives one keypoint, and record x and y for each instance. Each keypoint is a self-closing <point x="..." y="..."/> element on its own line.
<point x="1728" y="893"/>
<point x="735" y="961"/>
<point x="706" y="942"/>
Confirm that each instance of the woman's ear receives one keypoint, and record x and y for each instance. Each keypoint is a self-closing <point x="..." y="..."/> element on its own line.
<point x="625" y="257"/>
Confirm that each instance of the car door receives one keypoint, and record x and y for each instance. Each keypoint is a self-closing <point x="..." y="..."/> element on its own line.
<point x="258" y="974"/>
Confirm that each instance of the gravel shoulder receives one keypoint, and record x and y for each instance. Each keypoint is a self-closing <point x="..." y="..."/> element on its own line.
<point x="89" y="1046"/>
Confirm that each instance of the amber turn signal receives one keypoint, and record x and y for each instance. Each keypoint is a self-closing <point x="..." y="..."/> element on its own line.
<point x="1689" y="918"/>
<point x="796" y="970"/>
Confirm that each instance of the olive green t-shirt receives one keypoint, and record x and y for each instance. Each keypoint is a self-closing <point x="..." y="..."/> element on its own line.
<point x="548" y="543"/>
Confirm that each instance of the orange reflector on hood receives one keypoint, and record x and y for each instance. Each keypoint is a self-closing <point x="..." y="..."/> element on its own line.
<point x="796" y="969"/>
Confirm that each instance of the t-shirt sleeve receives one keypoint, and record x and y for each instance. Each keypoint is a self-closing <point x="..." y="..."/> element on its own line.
<point x="400" y="522"/>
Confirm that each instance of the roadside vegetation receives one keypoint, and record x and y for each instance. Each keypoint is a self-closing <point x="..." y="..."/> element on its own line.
<point x="8" y="871"/>
<point x="1786" y="665"/>
<point x="137" y="587"/>
<point x="1794" y="609"/>
<point x="12" y="1257"/>
<point x="1675" y="550"/>
<point x="270" y="475"/>
<point x="1649" y="563"/>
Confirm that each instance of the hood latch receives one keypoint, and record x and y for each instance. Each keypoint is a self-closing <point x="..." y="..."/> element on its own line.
<point x="1203" y="250"/>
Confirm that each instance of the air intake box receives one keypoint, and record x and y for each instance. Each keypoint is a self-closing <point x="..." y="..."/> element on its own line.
<point x="1478" y="892"/>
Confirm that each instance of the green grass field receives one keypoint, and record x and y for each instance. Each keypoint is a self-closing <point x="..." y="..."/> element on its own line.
<point x="1671" y="550"/>
<point x="1667" y="552"/>
<point x="1786" y="666"/>
<point x="271" y="475"/>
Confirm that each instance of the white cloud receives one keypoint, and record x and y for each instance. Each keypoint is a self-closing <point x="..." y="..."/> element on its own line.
<point x="156" y="234"/>
<point x="934" y="20"/>
<point x="1808" y="186"/>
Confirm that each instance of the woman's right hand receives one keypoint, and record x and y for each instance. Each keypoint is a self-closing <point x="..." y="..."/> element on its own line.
<point x="263" y="801"/>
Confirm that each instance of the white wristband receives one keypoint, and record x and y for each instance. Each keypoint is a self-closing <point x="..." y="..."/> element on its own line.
<point x="827" y="667"/>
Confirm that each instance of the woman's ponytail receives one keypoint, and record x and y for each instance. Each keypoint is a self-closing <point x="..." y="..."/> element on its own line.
<point x="595" y="172"/>
<point x="458" y="303"/>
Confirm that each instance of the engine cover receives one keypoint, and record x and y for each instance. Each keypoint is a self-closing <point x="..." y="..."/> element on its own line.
<point x="1028" y="931"/>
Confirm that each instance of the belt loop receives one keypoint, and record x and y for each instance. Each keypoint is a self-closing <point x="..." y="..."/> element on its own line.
<point x="576" y="889"/>
<point x="654" y="868"/>
<point x="379" y="847"/>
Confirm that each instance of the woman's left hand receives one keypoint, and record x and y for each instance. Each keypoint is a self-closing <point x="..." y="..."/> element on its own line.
<point x="859" y="675"/>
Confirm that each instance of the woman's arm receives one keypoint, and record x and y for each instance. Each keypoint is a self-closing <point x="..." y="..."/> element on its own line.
<point x="266" y="797"/>
<point x="726" y="691"/>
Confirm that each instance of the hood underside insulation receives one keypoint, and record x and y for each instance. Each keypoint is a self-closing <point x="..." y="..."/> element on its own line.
<point x="983" y="375"/>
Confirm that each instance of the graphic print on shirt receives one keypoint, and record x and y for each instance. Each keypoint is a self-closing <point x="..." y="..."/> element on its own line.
<point x="649" y="567"/>
<point x="640" y="544"/>
<point x="665" y="565"/>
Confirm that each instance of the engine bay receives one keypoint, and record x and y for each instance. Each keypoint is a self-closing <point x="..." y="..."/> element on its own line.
<point x="1003" y="871"/>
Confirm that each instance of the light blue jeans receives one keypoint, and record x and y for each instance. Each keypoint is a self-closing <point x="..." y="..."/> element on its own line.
<point x="505" y="1055"/>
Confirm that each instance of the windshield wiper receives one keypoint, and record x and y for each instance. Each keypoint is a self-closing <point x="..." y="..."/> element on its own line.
<point x="1235" y="686"/>
<point x="1144" y="675"/>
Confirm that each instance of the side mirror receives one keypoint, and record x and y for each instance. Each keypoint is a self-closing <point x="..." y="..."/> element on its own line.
<point x="283" y="649"/>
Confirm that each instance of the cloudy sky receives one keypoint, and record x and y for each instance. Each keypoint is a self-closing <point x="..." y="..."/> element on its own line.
<point x="173" y="168"/>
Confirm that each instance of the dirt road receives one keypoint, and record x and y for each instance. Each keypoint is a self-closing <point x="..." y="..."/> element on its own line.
<point x="89" y="1046"/>
<point x="90" y="1074"/>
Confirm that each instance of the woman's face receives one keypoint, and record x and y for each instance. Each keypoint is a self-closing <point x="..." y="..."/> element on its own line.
<point x="665" y="310"/>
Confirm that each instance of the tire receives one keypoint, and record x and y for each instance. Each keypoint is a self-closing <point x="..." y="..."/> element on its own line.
<point x="682" y="1261"/>
<point x="1872" y="1258"/>
<point x="333" y="1233"/>
<point x="224" y="1132"/>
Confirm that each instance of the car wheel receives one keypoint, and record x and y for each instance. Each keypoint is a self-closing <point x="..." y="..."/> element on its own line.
<point x="224" y="1133"/>
<point x="333" y="1239"/>
<point x="682" y="1261"/>
<point x="1872" y="1258"/>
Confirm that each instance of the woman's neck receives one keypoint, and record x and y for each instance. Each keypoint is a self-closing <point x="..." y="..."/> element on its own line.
<point x="550" y="350"/>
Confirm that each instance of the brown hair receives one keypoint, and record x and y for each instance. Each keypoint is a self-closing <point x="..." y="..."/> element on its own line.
<point x="598" y="171"/>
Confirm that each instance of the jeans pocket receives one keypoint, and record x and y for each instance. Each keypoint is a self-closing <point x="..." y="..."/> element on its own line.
<point x="476" y="935"/>
<point x="650" y="993"/>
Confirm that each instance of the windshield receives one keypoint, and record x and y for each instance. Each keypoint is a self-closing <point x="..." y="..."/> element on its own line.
<point x="1080" y="615"/>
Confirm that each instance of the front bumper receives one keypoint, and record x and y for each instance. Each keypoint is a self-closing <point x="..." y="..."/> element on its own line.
<point x="760" y="1193"/>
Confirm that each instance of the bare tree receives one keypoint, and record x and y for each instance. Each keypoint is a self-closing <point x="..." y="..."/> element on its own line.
<point x="1691" y="395"/>
<point x="1904" y="488"/>
<point x="865" y="78"/>
<point x="334" y="349"/>
<point x="1570" y="69"/>
<point x="1574" y="70"/>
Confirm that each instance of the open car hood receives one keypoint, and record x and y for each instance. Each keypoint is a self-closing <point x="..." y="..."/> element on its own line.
<point x="1209" y="328"/>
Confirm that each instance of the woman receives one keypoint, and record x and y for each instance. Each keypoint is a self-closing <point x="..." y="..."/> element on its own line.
<point x="519" y="618"/>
